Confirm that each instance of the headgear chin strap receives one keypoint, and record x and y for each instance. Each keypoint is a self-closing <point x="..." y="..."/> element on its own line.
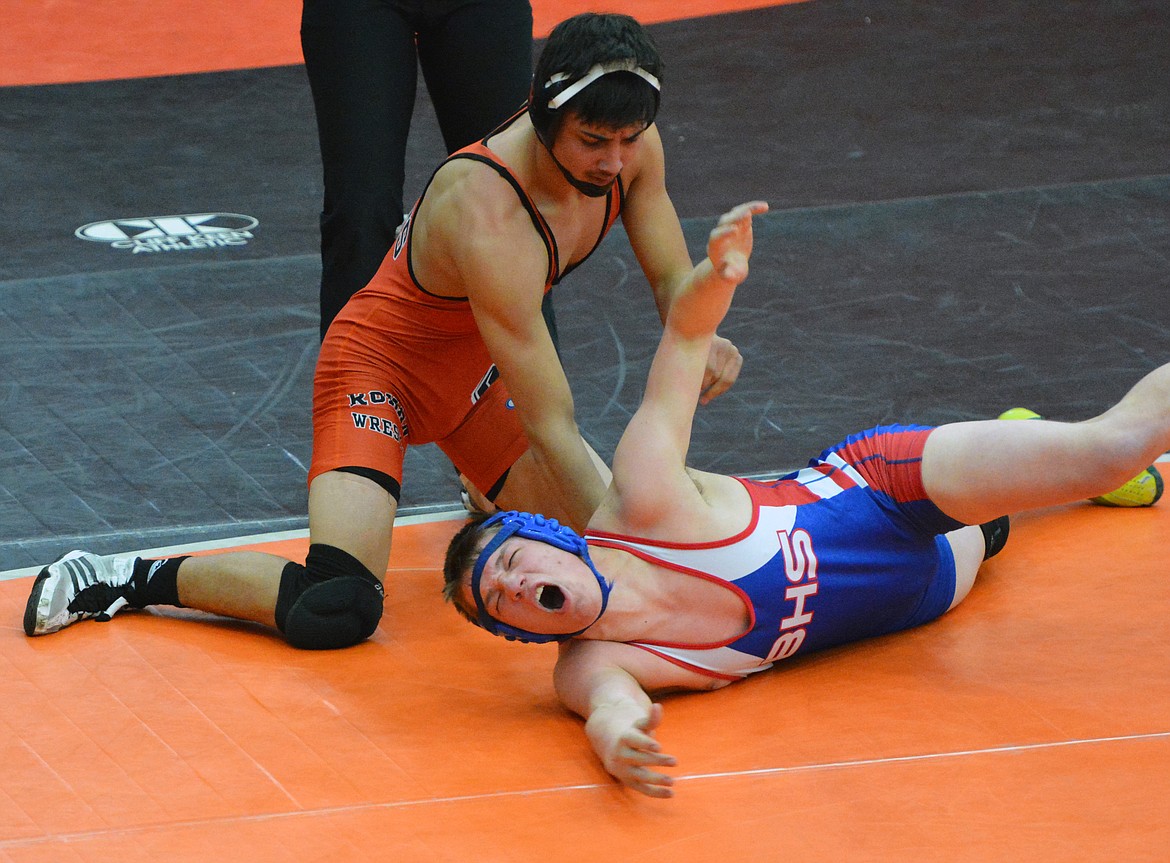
<point x="589" y="190"/>
<point x="548" y="530"/>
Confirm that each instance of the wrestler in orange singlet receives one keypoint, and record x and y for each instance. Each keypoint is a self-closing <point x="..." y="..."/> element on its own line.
<point x="447" y="343"/>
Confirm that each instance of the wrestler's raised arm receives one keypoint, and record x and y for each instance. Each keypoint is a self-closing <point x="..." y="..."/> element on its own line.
<point x="650" y="460"/>
<point x="656" y="237"/>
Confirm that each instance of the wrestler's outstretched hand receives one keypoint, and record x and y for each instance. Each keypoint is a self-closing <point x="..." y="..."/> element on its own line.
<point x="730" y="244"/>
<point x="728" y="247"/>
<point x="632" y="754"/>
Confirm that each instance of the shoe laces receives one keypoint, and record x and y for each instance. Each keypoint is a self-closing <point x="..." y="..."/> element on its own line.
<point x="102" y="600"/>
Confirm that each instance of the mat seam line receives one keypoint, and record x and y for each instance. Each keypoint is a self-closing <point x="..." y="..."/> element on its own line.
<point x="68" y="838"/>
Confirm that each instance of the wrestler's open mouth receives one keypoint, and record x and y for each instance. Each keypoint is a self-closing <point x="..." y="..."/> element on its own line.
<point x="550" y="597"/>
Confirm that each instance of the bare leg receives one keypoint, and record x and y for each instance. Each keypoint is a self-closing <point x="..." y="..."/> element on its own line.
<point x="977" y="471"/>
<point x="345" y="510"/>
<point x="236" y="584"/>
<point x="527" y="489"/>
<point x="968" y="547"/>
<point x="354" y="514"/>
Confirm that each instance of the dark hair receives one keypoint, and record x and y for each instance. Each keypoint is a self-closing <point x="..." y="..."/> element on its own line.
<point x="573" y="48"/>
<point x="461" y="554"/>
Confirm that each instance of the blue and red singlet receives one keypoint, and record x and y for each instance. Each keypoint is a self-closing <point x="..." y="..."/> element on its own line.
<point x="848" y="548"/>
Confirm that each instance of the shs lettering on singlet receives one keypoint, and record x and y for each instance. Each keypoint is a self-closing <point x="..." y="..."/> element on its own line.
<point x="820" y="564"/>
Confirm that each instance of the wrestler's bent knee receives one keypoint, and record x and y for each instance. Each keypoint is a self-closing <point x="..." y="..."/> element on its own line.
<point x="332" y="601"/>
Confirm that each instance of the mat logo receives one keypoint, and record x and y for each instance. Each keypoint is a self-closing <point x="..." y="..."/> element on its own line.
<point x="151" y="234"/>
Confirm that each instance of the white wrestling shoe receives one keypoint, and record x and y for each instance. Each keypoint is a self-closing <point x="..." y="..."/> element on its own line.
<point x="474" y="502"/>
<point x="77" y="586"/>
<point x="474" y="507"/>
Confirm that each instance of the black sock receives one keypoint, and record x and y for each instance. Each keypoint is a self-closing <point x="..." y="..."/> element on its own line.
<point x="995" y="536"/>
<point x="156" y="582"/>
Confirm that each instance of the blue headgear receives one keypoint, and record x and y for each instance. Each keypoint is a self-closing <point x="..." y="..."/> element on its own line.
<point x="530" y="526"/>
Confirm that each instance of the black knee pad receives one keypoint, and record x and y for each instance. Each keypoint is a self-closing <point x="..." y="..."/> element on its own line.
<point x="332" y="601"/>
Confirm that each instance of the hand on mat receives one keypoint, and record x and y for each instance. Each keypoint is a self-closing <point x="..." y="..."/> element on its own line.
<point x="629" y="750"/>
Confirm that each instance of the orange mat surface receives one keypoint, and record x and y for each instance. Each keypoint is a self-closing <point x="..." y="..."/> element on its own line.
<point x="1032" y="723"/>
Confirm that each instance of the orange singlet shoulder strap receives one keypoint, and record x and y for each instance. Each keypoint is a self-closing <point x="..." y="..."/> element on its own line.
<point x="479" y="152"/>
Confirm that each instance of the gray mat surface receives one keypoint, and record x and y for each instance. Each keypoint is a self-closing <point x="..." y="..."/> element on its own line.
<point x="971" y="209"/>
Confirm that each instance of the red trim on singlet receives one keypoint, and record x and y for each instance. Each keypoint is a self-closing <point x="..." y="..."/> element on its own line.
<point x="682" y="663"/>
<point x="601" y="539"/>
<point x="794" y="490"/>
<point x="601" y="536"/>
<point x="890" y="461"/>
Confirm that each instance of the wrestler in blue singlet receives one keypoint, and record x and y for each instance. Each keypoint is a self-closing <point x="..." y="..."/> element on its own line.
<point x="845" y="549"/>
